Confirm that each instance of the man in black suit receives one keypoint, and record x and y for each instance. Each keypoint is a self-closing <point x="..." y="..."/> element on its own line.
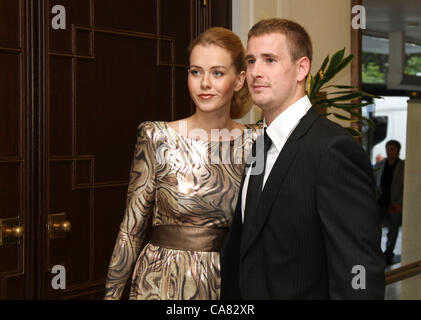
<point x="308" y="227"/>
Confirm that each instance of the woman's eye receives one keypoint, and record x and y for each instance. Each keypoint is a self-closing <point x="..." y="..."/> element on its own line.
<point x="250" y="61"/>
<point x="194" y="72"/>
<point x="218" y="73"/>
<point x="270" y="60"/>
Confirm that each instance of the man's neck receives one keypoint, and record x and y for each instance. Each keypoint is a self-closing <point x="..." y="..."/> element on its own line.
<point x="273" y="113"/>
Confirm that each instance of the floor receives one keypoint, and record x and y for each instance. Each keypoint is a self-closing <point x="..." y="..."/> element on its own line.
<point x="393" y="291"/>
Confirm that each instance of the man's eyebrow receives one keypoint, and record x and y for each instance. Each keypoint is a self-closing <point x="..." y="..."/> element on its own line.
<point x="265" y="55"/>
<point x="269" y="55"/>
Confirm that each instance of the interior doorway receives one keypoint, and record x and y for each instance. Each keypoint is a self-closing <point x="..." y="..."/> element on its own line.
<point x="77" y="77"/>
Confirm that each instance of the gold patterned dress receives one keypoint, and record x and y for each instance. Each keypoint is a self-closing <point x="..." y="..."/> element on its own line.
<point x="189" y="188"/>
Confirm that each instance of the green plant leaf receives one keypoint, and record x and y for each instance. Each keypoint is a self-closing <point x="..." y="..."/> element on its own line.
<point x="341" y="87"/>
<point x="362" y="93"/>
<point x="341" y="117"/>
<point x="336" y="59"/>
<point x="362" y="118"/>
<point x="341" y="98"/>
<point x="344" y="63"/>
<point x="341" y="65"/>
<point x="317" y="85"/>
<point x="350" y="105"/>
<point x="353" y="131"/>
<point x="324" y="64"/>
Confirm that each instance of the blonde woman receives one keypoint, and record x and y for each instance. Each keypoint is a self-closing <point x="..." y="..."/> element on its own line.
<point x="185" y="178"/>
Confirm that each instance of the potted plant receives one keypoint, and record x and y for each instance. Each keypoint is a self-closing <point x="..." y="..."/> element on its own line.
<point x="347" y="98"/>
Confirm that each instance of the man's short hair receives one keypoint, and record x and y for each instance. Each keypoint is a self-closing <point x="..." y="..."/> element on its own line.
<point x="394" y="143"/>
<point x="298" y="40"/>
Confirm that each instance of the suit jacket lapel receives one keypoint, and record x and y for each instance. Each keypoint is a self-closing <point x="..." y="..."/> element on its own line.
<point x="275" y="179"/>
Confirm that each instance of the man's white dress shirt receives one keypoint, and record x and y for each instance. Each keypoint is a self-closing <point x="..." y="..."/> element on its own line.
<point x="279" y="131"/>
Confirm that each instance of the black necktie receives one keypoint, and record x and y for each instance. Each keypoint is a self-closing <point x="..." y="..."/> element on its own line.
<point x="255" y="184"/>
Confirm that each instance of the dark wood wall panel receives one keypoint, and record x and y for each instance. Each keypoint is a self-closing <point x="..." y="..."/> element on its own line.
<point x="109" y="211"/>
<point x="60" y="107"/>
<point x="182" y="96"/>
<point x="10" y="23"/>
<point x="77" y="13"/>
<point x="9" y="264"/>
<point x="70" y="106"/>
<point x="138" y="16"/>
<point x="14" y="286"/>
<point x="116" y="68"/>
<point x="221" y="13"/>
<point x="73" y="252"/>
<point x="83" y="173"/>
<point x="175" y="26"/>
<point x="10" y="190"/>
<point x="130" y="88"/>
<point x="12" y="143"/>
<point x="11" y="106"/>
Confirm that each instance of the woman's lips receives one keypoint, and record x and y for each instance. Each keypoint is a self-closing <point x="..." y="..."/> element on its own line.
<point x="206" y="96"/>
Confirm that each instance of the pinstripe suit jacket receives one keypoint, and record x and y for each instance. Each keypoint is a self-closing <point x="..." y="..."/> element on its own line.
<point x="316" y="232"/>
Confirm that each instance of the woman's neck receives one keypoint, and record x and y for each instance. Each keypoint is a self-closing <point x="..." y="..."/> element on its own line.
<point x="208" y="122"/>
<point x="219" y="124"/>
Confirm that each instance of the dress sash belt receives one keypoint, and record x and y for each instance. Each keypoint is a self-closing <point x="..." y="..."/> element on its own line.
<point x="188" y="238"/>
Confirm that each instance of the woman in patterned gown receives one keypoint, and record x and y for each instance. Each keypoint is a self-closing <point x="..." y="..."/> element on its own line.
<point x="185" y="178"/>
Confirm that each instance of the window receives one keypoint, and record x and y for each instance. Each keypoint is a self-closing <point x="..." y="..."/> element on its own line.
<point x="375" y="59"/>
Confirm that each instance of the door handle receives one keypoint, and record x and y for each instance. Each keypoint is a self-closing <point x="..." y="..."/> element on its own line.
<point x="58" y="226"/>
<point x="10" y="231"/>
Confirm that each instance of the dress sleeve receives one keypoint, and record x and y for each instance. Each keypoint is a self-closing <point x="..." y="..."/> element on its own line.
<point x="139" y="205"/>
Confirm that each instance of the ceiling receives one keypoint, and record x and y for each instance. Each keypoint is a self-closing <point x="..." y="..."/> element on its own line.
<point x="385" y="16"/>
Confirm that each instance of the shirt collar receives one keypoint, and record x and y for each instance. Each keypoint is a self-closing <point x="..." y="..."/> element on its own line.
<point x="280" y="128"/>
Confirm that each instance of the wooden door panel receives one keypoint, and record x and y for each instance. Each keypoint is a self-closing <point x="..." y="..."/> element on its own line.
<point x="115" y="65"/>
<point x="125" y="64"/>
<point x="129" y="88"/>
<point x="60" y="106"/>
<point x="12" y="147"/>
<point x="121" y="72"/>
<point x="74" y="250"/>
<point x="128" y="15"/>
<point x="221" y="13"/>
<point x="109" y="204"/>
<point x="10" y="120"/>
<point x="77" y="13"/>
<point x="11" y="22"/>
<point x="174" y="22"/>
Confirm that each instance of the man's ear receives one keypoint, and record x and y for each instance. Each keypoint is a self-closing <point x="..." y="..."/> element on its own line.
<point x="303" y="68"/>
<point x="239" y="81"/>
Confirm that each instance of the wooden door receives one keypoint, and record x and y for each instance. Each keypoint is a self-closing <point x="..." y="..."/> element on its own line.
<point x="114" y="65"/>
<point x="13" y="156"/>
